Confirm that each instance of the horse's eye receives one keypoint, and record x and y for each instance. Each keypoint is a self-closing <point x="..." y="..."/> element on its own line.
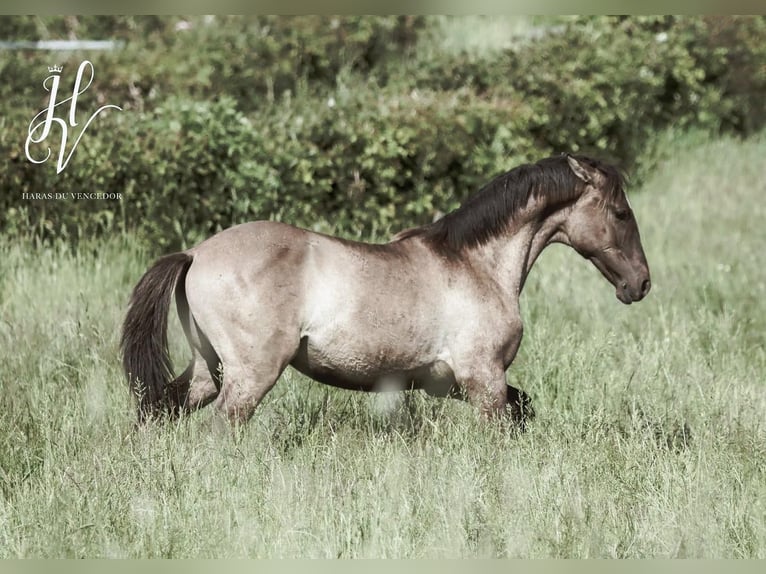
<point x="622" y="214"/>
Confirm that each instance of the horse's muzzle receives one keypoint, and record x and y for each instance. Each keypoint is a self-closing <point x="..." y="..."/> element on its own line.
<point x="631" y="294"/>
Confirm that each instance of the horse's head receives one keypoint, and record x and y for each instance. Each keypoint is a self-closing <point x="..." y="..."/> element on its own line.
<point x="601" y="227"/>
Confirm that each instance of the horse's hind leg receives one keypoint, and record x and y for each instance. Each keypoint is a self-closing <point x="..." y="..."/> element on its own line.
<point x="246" y="380"/>
<point x="177" y="391"/>
<point x="199" y="384"/>
<point x="244" y="388"/>
<point x="205" y="383"/>
<point x="195" y="387"/>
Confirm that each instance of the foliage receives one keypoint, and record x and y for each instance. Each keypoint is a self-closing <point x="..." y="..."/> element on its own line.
<point x="250" y="58"/>
<point x="607" y="85"/>
<point x="190" y="168"/>
<point x="355" y="124"/>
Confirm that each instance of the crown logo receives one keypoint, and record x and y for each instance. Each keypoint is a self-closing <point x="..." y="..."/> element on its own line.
<point x="55" y="69"/>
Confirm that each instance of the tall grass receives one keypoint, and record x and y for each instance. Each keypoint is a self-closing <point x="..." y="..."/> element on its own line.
<point x="649" y="439"/>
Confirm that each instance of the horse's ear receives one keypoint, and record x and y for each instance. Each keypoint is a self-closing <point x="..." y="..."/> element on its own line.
<point x="581" y="171"/>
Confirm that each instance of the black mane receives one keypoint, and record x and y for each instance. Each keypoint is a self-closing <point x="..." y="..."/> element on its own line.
<point x="487" y="213"/>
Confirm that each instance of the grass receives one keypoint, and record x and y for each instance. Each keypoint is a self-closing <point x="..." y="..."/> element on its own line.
<point x="649" y="439"/>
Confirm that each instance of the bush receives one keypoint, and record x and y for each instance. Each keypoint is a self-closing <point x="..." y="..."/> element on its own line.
<point x="189" y="168"/>
<point x="322" y="123"/>
<point x="605" y="85"/>
<point x="253" y="59"/>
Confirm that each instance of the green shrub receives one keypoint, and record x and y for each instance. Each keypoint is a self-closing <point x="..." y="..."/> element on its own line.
<point x="605" y="85"/>
<point x="253" y="59"/>
<point x="188" y="168"/>
<point x="608" y="84"/>
<point x="328" y="123"/>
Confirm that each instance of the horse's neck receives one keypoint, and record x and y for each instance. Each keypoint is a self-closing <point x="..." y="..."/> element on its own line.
<point x="509" y="257"/>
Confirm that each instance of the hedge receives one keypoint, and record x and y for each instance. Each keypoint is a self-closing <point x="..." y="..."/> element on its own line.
<point x="375" y="141"/>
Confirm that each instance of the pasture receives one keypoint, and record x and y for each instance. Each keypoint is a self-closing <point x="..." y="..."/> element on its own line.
<point x="649" y="440"/>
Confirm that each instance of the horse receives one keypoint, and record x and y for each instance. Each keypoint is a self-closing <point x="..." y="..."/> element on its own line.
<point x="435" y="308"/>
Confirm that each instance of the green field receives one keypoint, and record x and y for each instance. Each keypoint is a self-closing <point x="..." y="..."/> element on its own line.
<point x="649" y="441"/>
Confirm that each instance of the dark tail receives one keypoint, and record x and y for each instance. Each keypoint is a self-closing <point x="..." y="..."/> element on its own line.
<point x="144" y="342"/>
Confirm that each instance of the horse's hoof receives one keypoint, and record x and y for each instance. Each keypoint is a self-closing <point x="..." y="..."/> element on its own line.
<point x="520" y="407"/>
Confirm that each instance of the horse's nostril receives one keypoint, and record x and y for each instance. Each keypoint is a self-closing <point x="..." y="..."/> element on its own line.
<point x="645" y="286"/>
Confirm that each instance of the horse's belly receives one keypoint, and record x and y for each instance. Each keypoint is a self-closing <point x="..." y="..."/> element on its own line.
<point x="355" y="366"/>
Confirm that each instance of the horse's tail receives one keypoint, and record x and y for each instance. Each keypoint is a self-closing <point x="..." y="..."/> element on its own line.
<point x="144" y="343"/>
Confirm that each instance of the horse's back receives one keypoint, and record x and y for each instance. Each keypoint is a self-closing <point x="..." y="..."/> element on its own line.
<point x="276" y="265"/>
<point x="243" y="238"/>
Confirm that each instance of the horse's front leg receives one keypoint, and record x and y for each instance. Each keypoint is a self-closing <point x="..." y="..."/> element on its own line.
<point x="519" y="406"/>
<point x="483" y="384"/>
<point x="493" y="397"/>
<point x="485" y="389"/>
<point x="518" y="403"/>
